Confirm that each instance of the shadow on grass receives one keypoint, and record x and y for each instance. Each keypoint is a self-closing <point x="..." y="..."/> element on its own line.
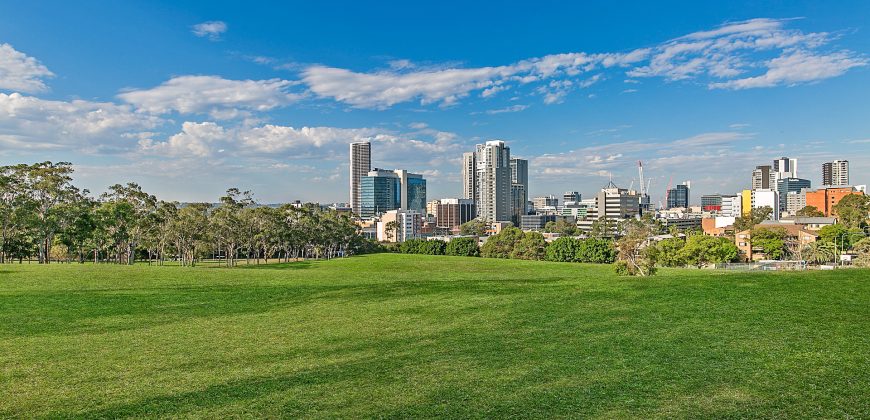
<point x="296" y="265"/>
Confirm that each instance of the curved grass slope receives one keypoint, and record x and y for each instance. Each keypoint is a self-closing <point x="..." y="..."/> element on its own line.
<point x="421" y="336"/>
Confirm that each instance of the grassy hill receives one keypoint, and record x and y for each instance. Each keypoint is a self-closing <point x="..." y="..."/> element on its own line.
<point x="421" y="336"/>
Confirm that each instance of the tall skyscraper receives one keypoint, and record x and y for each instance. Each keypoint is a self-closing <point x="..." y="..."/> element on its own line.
<point x="490" y="187"/>
<point x="360" y="165"/>
<point x="763" y="177"/>
<point x="835" y="173"/>
<point x="679" y="196"/>
<point x="785" y="168"/>
<point x="519" y="188"/>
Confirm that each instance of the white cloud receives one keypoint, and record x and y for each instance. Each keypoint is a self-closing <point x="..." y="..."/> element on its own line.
<point x="222" y="98"/>
<point x="512" y="108"/>
<point x="212" y="29"/>
<point x="20" y="72"/>
<point x="29" y="122"/>
<point x="797" y="67"/>
<point x="194" y="140"/>
<point x="739" y="48"/>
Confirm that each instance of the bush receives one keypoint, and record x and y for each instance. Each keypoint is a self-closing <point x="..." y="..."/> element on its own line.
<point x="564" y="249"/>
<point x="597" y="251"/>
<point x="422" y="246"/>
<point x="462" y="247"/>
<point x="532" y="246"/>
<point x="502" y="245"/>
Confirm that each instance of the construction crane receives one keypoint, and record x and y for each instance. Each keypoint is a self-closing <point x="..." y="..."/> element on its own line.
<point x="640" y="178"/>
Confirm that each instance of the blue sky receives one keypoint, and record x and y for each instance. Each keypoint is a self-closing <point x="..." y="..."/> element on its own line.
<point x="190" y="99"/>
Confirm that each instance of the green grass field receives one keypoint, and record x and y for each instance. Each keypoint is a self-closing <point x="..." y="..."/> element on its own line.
<point x="420" y="336"/>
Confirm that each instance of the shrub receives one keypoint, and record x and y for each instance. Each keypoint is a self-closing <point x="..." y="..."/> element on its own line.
<point x="462" y="247"/>
<point x="564" y="250"/>
<point x="501" y="245"/>
<point x="532" y="246"/>
<point x="598" y="251"/>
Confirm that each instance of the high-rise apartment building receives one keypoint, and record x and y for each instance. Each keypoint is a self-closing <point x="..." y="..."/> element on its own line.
<point x="835" y="173"/>
<point x="469" y="177"/>
<point x="490" y="184"/>
<point x="360" y="165"/>
<point x="763" y="177"/>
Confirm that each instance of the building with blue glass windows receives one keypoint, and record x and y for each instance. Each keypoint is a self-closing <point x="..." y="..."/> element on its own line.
<point x="383" y="190"/>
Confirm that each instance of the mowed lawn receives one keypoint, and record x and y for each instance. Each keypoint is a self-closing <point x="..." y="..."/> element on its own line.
<point x="425" y="336"/>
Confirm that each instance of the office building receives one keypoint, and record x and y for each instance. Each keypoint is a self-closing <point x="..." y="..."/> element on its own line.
<point x="537" y="222"/>
<point x="490" y="185"/>
<point x="613" y="204"/>
<point x="382" y="190"/>
<point x="679" y="196"/>
<point x="785" y="168"/>
<point x="711" y="203"/>
<point x="746" y="202"/>
<point x="784" y="186"/>
<point x="571" y="197"/>
<point x="453" y="212"/>
<point x="835" y="173"/>
<point x="360" y="165"/>
<point x="732" y="206"/>
<point x="545" y="202"/>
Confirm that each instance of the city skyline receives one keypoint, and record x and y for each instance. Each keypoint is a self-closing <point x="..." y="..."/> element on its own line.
<point x="229" y="94"/>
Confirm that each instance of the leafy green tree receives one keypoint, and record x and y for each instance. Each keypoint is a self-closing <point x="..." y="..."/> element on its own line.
<point x="564" y="249"/>
<point x="462" y="247"/>
<point x="603" y="228"/>
<point x="561" y="226"/>
<point x="502" y="244"/>
<point x="809" y="211"/>
<point x="635" y="256"/>
<point x="475" y="227"/>
<point x="702" y="250"/>
<point x="852" y="210"/>
<point x="532" y="246"/>
<point x="596" y="251"/>
<point x="669" y="252"/>
<point x="862" y="251"/>
<point x="755" y="216"/>
<point x="771" y="241"/>
<point x="819" y="252"/>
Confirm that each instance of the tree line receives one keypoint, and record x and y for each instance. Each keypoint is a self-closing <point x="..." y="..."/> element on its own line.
<point x="43" y="216"/>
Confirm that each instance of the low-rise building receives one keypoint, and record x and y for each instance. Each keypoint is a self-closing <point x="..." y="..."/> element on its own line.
<point x="400" y="225"/>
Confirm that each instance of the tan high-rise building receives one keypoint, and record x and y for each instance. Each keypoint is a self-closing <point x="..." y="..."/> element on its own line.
<point x="360" y="165"/>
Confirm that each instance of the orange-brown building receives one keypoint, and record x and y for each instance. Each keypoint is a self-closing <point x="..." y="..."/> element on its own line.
<point x="825" y="199"/>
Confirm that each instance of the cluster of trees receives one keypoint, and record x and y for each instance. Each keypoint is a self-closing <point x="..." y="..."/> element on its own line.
<point x="459" y="247"/>
<point x="591" y="250"/>
<point x="43" y="215"/>
<point x="695" y="250"/>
